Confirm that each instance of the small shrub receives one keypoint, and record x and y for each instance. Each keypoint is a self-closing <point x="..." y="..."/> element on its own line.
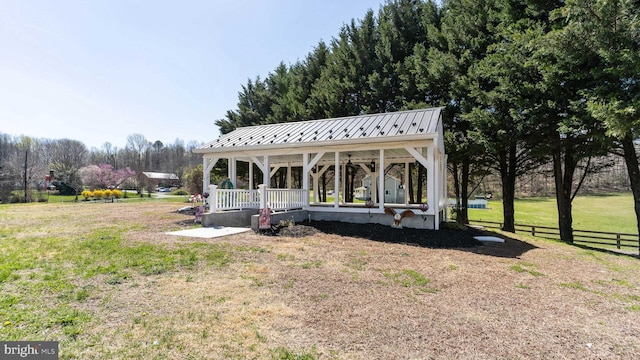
<point x="116" y="193"/>
<point x="287" y="223"/>
<point x="98" y="194"/>
<point x="180" y="192"/>
<point x="108" y="194"/>
<point x="86" y="194"/>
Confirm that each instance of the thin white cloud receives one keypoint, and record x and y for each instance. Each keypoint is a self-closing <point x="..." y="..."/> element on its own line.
<point x="36" y="27"/>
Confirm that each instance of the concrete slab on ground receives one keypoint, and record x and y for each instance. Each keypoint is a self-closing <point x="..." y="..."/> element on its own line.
<point x="209" y="232"/>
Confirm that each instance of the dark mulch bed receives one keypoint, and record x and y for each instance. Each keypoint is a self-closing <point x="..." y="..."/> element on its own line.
<point x="443" y="238"/>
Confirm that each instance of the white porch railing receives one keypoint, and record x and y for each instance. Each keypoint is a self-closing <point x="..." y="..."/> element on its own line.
<point x="239" y="199"/>
<point x="233" y="199"/>
<point x="285" y="199"/>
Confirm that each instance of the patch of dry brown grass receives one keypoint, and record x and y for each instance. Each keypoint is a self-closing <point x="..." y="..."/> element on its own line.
<point x="350" y="298"/>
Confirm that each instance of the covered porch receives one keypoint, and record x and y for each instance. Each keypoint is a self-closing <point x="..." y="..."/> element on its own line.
<point x="342" y="150"/>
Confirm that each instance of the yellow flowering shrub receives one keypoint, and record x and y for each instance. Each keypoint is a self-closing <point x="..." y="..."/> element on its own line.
<point x="98" y="194"/>
<point x="116" y="193"/>
<point x="108" y="193"/>
<point x="86" y="194"/>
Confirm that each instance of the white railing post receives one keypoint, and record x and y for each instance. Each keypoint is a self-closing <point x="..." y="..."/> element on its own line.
<point x="262" y="191"/>
<point x="213" y="198"/>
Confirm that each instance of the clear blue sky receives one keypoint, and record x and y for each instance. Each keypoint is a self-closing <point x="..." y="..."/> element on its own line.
<point x="99" y="70"/>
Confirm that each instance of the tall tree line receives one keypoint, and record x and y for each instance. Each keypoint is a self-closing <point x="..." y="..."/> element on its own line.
<point x="523" y="83"/>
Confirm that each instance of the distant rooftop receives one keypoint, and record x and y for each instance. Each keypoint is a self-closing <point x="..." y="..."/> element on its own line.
<point x="160" y="176"/>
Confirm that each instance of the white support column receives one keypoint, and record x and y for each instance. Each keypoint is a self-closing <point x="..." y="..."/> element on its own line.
<point x="316" y="183"/>
<point x="262" y="189"/>
<point x="289" y="182"/>
<point x="336" y="186"/>
<point x="436" y="186"/>
<point x="445" y="194"/>
<point x="266" y="172"/>
<point x="305" y="178"/>
<point x="431" y="190"/>
<point x="232" y="171"/>
<point x="343" y="183"/>
<point x="381" y="180"/>
<point x="206" y="175"/>
<point x="406" y="183"/>
<point x="250" y="175"/>
<point x="373" y="191"/>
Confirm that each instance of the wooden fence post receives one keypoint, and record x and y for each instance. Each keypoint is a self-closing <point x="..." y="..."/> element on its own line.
<point x="618" y="241"/>
<point x="533" y="231"/>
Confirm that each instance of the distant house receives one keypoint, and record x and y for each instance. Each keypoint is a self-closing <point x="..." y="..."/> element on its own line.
<point x="479" y="202"/>
<point x="166" y="179"/>
<point x="393" y="190"/>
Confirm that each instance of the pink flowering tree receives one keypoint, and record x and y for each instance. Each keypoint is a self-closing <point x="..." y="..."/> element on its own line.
<point x="122" y="175"/>
<point x="93" y="176"/>
<point x="103" y="176"/>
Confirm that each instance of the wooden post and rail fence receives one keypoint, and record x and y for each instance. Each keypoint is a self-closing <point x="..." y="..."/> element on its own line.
<point x="602" y="239"/>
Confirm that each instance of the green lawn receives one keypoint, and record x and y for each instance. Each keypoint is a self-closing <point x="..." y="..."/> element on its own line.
<point x="607" y="212"/>
<point x="107" y="282"/>
<point x="131" y="196"/>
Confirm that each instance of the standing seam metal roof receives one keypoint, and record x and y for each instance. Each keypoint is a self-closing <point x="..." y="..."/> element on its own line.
<point x="372" y="126"/>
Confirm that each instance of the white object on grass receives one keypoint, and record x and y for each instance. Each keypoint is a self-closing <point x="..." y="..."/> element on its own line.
<point x="489" y="238"/>
<point x="209" y="232"/>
